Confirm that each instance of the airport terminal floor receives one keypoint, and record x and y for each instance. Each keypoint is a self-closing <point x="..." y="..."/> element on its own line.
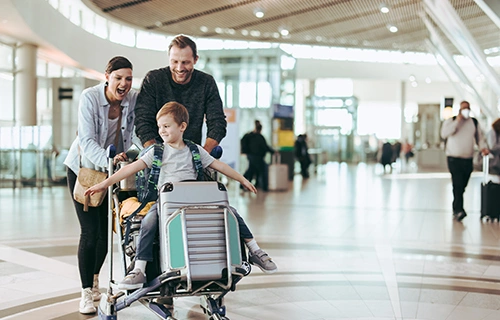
<point x="350" y="243"/>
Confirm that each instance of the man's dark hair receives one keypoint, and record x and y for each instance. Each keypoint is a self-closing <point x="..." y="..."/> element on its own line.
<point x="182" y="42"/>
<point x="117" y="63"/>
<point x="468" y="104"/>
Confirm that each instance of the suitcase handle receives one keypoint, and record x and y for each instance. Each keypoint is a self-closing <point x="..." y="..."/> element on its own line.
<point x="276" y="158"/>
<point x="486" y="168"/>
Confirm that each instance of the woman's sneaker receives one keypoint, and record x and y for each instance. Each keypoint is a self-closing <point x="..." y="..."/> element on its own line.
<point x="87" y="302"/>
<point x="263" y="261"/>
<point x="134" y="280"/>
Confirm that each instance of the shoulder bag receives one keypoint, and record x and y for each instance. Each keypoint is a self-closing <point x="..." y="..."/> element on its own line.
<point x="88" y="177"/>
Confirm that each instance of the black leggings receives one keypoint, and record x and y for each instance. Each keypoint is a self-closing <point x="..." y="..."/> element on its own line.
<point x="92" y="248"/>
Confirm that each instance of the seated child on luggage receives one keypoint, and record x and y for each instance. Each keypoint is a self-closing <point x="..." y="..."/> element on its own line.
<point x="177" y="165"/>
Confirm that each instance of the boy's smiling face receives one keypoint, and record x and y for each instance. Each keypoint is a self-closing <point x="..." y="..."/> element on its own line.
<point x="170" y="131"/>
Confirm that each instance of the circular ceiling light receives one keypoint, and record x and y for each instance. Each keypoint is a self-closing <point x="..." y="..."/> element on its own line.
<point x="284" y="31"/>
<point x="384" y="8"/>
<point x="392" y="28"/>
<point x="258" y="12"/>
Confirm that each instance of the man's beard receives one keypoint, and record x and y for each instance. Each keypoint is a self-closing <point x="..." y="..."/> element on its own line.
<point x="183" y="77"/>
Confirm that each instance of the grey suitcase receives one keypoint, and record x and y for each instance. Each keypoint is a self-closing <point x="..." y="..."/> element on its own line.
<point x="278" y="175"/>
<point x="199" y="230"/>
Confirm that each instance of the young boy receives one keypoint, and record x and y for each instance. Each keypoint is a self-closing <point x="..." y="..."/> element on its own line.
<point x="177" y="165"/>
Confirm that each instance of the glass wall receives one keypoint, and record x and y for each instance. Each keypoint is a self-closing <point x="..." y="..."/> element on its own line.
<point x="29" y="156"/>
<point x="6" y="83"/>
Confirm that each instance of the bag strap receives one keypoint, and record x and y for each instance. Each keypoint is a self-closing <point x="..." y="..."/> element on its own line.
<point x="118" y="130"/>
<point x="151" y="192"/>
<point x="195" y="152"/>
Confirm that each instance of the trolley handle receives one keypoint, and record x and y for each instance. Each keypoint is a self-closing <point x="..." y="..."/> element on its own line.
<point x="111" y="153"/>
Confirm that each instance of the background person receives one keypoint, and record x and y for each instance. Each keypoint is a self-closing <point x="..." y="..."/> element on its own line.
<point x="257" y="149"/>
<point x="100" y="109"/>
<point x="302" y="154"/>
<point x="461" y="133"/>
<point x="493" y="141"/>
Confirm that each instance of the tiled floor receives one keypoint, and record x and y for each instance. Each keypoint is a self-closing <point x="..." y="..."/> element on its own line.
<point x="350" y="243"/>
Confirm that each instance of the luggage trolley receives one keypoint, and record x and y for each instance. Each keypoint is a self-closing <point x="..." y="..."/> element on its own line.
<point x="199" y="251"/>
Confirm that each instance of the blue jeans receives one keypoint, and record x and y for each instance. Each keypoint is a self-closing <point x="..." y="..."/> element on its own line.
<point x="149" y="228"/>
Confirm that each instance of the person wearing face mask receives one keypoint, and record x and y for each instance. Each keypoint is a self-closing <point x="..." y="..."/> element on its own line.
<point x="105" y="116"/>
<point x="461" y="133"/>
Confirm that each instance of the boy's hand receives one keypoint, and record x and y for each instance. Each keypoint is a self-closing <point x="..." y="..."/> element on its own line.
<point x="100" y="187"/>
<point x="249" y="186"/>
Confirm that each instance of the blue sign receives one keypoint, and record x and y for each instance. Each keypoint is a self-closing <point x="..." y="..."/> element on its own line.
<point x="282" y="111"/>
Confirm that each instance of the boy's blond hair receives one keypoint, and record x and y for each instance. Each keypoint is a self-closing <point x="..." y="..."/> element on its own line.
<point x="176" y="110"/>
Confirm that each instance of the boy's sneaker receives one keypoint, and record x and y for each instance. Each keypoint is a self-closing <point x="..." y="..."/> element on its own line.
<point x="263" y="261"/>
<point x="134" y="280"/>
<point x="87" y="302"/>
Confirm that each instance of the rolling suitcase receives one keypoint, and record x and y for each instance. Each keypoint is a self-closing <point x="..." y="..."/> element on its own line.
<point x="490" y="195"/>
<point x="278" y="175"/>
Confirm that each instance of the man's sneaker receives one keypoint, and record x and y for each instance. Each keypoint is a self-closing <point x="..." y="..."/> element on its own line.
<point x="460" y="215"/>
<point x="263" y="261"/>
<point x="87" y="302"/>
<point x="96" y="294"/>
<point x="134" y="280"/>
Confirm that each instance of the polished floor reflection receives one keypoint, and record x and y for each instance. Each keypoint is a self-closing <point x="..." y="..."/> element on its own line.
<point x="350" y="243"/>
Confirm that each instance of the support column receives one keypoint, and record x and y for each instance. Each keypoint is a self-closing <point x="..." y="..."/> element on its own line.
<point x="25" y="85"/>
<point x="404" y="129"/>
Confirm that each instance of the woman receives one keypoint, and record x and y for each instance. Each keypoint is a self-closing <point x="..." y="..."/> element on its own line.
<point x="493" y="140"/>
<point x="101" y="108"/>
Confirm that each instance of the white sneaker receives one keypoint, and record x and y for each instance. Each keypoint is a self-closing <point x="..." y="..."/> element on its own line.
<point x="96" y="294"/>
<point x="87" y="302"/>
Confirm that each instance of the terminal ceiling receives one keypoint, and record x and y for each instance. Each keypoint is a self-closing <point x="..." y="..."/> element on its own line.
<point x="342" y="23"/>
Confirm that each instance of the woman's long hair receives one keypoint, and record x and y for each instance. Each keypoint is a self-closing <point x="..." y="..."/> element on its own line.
<point x="496" y="126"/>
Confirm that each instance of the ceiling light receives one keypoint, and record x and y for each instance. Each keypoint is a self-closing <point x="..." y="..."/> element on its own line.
<point x="284" y="31"/>
<point x="392" y="28"/>
<point x="412" y="78"/>
<point x="383" y="8"/>
<point x="428" y="80"/>
<point x="258" y="12"/>
<point x="255" y="33"/>
<point x="203" y="29"/>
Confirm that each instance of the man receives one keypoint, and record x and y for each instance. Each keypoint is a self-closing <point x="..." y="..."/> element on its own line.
<point x="180" y="82"/>
<point x="461" y="133"/>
